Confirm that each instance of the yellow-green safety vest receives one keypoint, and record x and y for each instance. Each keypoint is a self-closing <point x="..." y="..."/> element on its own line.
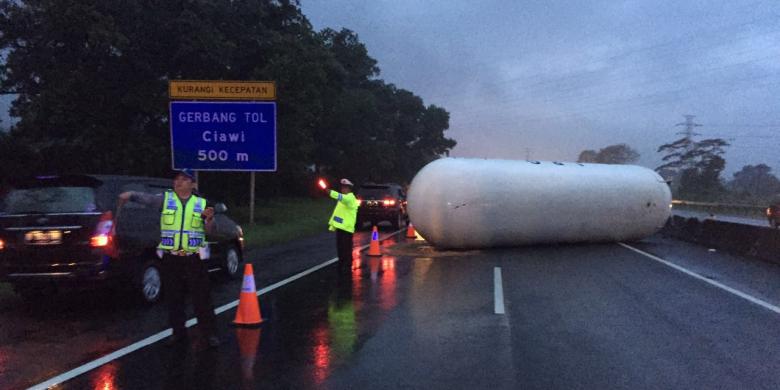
<point x="345" y="214"/>
<point x="182" y="226"/>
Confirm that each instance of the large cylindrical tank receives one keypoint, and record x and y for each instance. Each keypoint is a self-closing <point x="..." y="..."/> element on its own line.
<point x="477" y="203"/>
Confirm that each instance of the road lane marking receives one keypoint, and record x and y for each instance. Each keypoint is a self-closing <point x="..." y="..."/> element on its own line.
<point x="745" y="296"/>
<point x="68" y="375"/>
<point x="498" y="291"/>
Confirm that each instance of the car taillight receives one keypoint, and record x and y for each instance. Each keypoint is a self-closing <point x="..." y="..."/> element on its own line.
<point x="240" y="236"/>
<point x="2" y="245"/>
<point x="389" y="202"/>
<point x="100" y="240"/>
<point x="104" y="233"/>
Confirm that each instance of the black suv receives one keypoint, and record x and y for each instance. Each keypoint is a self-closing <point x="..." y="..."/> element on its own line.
<point x="381" y="202"/>
<point x="58" y="231"/>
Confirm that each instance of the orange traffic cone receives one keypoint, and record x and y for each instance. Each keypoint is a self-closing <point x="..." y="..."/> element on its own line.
<point x="248" y="313"/>
<point x="373" y="250"/>
<point x="410" y="233"/>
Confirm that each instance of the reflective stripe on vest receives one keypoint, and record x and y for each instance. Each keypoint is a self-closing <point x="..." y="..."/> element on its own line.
<point x="181" y="226"/>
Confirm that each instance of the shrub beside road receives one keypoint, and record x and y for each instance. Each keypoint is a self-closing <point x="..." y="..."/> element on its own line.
<point x="281" y="220"/>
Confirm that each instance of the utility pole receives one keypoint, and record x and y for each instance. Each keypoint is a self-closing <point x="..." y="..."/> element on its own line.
<point x="688" y="132"/>
<point x="688" y="135"/>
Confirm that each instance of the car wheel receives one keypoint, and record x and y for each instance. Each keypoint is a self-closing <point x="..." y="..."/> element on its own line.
<point x="232" y="261"/>
<point x="150" y="286"/>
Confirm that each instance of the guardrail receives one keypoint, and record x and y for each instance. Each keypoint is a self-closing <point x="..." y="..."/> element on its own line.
<point x="749" y="240"/>
<point x="735" y="209"/>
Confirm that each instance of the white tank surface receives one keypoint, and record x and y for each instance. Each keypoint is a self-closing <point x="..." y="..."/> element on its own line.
<point x="476" y="203"/>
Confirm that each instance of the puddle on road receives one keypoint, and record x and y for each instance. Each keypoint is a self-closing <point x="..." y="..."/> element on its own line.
<point x="424" y="249"/>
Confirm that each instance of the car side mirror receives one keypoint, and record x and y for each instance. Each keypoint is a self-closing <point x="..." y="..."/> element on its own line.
<point x="220" y="208"/>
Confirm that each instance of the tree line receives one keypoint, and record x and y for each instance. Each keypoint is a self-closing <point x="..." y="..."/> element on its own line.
<point x="695" y="167"/>
<point x="90" y="79"/>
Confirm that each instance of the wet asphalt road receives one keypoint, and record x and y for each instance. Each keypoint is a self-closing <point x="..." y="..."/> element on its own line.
<point x="582" y="316"/>
<point x="577" y="316"/>
<point x="41" y="339"/>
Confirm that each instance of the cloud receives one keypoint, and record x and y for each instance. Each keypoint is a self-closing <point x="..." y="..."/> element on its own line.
<point x="559" y="77"/>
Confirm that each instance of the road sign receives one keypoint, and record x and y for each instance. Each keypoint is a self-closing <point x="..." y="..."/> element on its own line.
<point x="221" y="90"/>
<point x="223" y="136"/>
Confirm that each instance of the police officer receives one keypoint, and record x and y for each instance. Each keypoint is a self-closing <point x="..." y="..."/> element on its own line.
<point x="184" y="221"/>
<point x="343" y="220"/>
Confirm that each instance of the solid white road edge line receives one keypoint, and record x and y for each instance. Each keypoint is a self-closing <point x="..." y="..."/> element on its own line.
<point x="498" y="291"/>
<point x="68" y="375"/>
<point x="745" y="296"/>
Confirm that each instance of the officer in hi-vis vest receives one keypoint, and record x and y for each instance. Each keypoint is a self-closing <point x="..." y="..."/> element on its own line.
<point x="343" y="220"/>
<point x="184" y="220"/>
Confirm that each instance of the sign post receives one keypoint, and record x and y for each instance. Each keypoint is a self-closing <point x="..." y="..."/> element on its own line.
<point x="224" y="126"/>
<point x="252" y="197"/>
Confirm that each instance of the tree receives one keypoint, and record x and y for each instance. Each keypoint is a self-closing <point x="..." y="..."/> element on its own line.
<point x="588" y="156"/>
<point x="703" y="183"/>
<point x="696" y="165"/>
<point x="613" y="154"/>
<point x="374" y="130"/>
<point x="754" y="183"/>
<point x="91" y="79"/>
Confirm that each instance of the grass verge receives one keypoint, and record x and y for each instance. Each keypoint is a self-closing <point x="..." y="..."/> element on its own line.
<point x="283" y="219"/>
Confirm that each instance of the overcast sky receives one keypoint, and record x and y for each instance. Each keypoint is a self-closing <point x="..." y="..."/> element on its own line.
<point x="560" y="77"/>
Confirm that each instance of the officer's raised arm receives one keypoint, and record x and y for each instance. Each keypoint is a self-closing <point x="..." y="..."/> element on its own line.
<point x="348" y="199"/>
<point x="152" y="200"/>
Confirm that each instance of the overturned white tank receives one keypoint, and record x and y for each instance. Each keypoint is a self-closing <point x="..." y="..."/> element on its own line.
<point x="477" y="203"/>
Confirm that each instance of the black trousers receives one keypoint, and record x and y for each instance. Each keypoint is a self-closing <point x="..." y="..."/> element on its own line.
<point x="344" y="247"/>
<point x="182" y="275"/>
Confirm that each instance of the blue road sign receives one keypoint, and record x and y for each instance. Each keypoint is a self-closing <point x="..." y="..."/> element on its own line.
<point x="223" y="136"/>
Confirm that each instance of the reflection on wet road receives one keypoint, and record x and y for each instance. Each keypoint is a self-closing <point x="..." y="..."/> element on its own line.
<point x="43" y="338"/>
<point x="576" y="316"/>
<point x="311" y="328"/>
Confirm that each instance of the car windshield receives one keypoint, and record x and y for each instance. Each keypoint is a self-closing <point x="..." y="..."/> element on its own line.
<point x="49" y="200"/>
<point x="375" y="192"/>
